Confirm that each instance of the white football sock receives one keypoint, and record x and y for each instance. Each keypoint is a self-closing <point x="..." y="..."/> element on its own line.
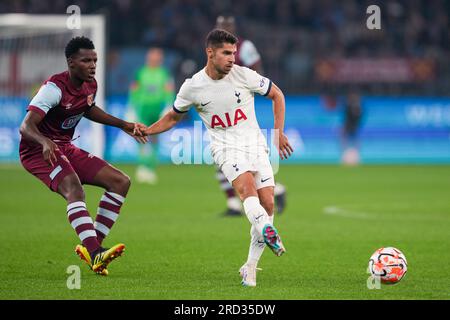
<point x="257" y="245"/>
<point x="279" y="189"/>
<point x="256" y="214"/>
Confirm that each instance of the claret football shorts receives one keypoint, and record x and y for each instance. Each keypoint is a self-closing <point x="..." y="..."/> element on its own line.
<point x="70" y="159"/>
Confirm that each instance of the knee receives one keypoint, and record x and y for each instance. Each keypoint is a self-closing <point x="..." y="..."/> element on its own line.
<point x="127" y="182"/>
<point x="244" y="185"/>
<point x="121" y="183"/>
<point x="246" y="191"/>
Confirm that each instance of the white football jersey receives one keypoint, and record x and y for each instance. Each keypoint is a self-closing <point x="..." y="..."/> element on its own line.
<point x="226" y="107"/>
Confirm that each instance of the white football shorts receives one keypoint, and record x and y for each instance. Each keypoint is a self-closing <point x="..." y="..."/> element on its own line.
<point x="234" y="162"/>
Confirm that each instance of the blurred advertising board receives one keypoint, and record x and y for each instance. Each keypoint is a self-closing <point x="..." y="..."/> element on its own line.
<point x="358" y="70"/>
<point x="393" y="130"/>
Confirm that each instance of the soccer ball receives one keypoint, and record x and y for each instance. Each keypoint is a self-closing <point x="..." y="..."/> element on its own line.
<point x="388" y="264"/>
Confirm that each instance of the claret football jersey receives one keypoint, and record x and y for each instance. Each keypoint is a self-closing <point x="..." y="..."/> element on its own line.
<point x="62" y="106"/>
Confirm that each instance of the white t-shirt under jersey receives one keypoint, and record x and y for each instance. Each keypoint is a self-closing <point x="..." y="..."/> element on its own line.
<point x="227" y="107"/>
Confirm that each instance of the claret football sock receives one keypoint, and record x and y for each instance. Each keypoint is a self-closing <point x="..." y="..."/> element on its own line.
<point x="81" y="221"/>
<point x="107" y="213"/>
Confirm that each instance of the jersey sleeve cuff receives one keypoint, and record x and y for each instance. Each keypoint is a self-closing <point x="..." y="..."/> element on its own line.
<point x="268" y="89"/>
<point x="178" y="111"/>
<point x="36" y="109"/>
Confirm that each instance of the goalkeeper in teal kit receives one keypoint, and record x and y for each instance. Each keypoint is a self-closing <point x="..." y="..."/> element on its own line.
<point x="151" y="92"/>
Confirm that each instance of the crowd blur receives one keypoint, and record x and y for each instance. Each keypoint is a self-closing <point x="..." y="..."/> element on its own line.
<point x="292" y="36"/>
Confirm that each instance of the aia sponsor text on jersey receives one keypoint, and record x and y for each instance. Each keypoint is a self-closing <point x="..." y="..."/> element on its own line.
<point x="226" y="120"/>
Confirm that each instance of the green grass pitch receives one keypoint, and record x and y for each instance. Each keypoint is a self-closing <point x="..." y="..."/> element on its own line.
<point x="178" y="247"/>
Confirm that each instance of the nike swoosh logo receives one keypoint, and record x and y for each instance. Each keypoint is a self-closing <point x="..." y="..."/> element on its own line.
<point x="260" y="241"/>
<point x="204" y="104"/>
<point x="258" y="217"/>
<point x="264" y="180"/>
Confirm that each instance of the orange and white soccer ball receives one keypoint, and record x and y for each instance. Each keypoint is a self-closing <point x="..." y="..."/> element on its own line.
<point x="388" y="264"/>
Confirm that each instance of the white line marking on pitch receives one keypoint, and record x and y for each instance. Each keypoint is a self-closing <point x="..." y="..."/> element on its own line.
<point x="337" y="211"/>
<point x="353" y="214"/>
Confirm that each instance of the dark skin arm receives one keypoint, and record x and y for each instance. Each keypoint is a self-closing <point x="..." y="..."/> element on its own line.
<point x="29" y="131"/>
<point x="133" y="129"/>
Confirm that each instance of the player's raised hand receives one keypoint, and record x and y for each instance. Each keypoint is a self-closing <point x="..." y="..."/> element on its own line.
<point x="48" y="151"/>
<point x="136" y="130"/>
<point x="139" y="132"/>
<point x="284" y="148"/>
<point x="139" y="129"/>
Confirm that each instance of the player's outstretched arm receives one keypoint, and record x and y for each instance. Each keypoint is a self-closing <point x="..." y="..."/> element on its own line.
<point x="277" y="96"/>
<point x="29" y="131"/>
<point x="133" y="129"/>
<point x="167" y="122"/>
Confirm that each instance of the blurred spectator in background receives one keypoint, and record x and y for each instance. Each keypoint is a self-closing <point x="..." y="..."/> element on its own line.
<point x="247" y="55"/>
<point x="350" y="130"/>
<point x="150" y="93"/>
<point x="295" y="36"/>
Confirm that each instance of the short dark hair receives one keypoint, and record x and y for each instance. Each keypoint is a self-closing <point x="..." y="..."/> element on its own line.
<point x="217" y="37"/>
<point x="76" y="44"/>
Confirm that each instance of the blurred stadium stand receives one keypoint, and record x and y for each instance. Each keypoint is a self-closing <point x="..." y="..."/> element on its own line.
<point x="315" y="50"/>
<point x="308" y="46"/>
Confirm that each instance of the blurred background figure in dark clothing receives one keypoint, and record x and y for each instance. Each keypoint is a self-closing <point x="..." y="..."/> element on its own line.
<point x="350" y="130"/>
